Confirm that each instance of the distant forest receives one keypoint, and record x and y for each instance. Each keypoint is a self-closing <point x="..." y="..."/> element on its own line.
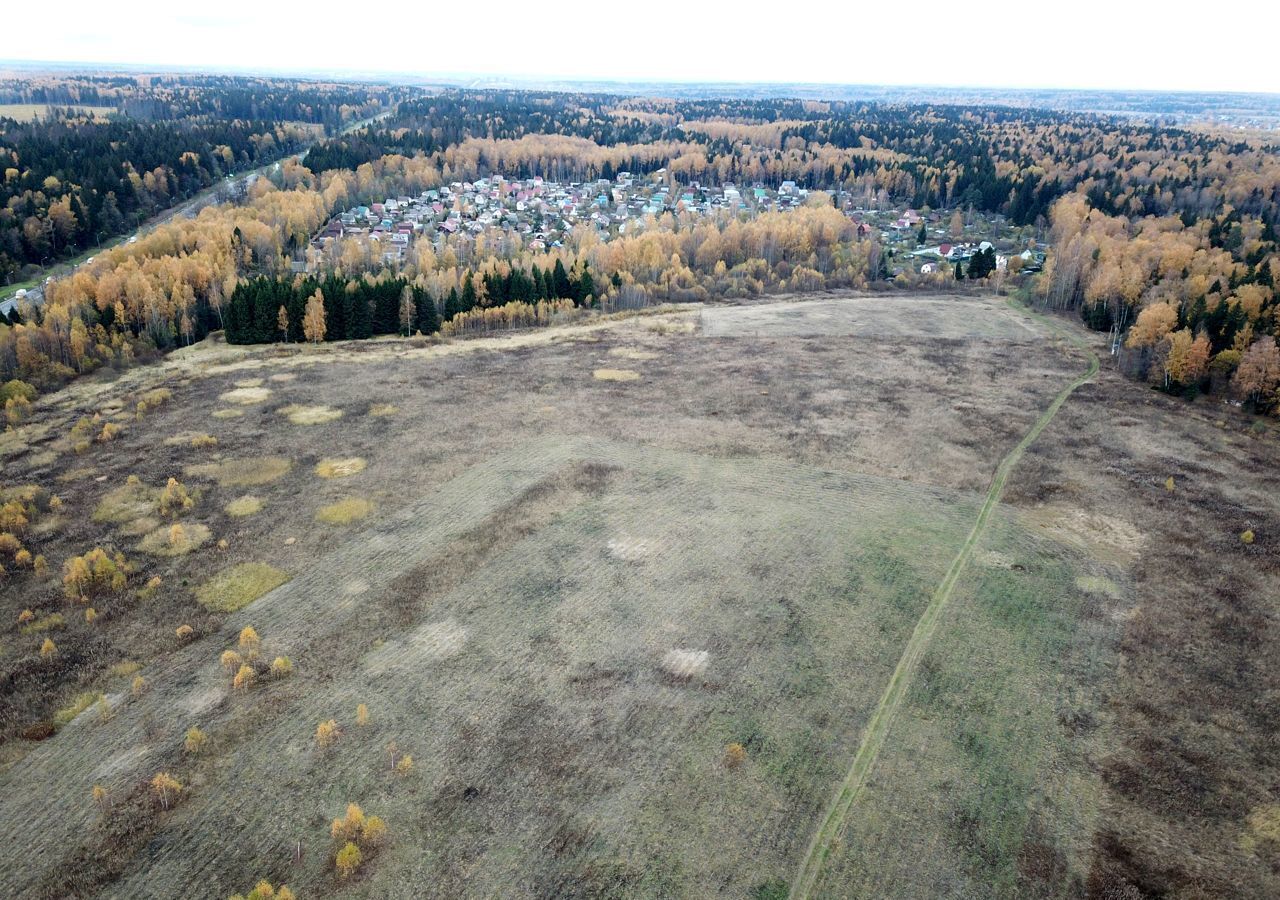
<point x="69" y="182"/>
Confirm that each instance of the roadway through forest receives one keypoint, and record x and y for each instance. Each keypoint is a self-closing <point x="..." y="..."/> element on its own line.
<point x="877" y="730"/>
<point x="232" y="188"/>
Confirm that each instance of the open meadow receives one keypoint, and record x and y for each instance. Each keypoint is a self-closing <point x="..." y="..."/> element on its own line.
<point x="738" y="601"/>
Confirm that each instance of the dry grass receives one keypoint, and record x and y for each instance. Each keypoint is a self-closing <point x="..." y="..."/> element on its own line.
<point x="166" y="541"/>
<point x="126" y="503"/>
<point x="197" y="440"/>
<point x="536" y="658"/>
<point x="383" y="409"/>
<point x="247" y="471"/>
<point x="633" y="353"/>
<point x="344" y="512"/>
<point x="244" y="506"/>
<point x="246" y="396"/>
<point x="340" y="468"/>
<point x="309" y="415"/>
<point x="615" y="375"/>
<point x="229" y="413"/>
<point x="235" y="588"/>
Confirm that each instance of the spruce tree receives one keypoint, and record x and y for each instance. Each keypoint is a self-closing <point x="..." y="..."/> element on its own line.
<point x="468" y="299"/>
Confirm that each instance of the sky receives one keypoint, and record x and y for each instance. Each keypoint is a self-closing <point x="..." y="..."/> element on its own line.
<point x="1085" y="44"/>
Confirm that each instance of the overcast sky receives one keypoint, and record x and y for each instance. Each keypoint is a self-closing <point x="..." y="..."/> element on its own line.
<point x="1223" y="46"/>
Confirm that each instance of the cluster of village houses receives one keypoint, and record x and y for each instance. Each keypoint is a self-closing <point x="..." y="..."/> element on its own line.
<point x="545" y="212"/>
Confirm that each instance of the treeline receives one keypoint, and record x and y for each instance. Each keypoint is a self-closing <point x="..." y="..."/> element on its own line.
<point x="264" y="310"/>
<point x="175" y="97"/>
<point x="1194" y="299"/>
<point x="68" y="186"/>
<point x="354" y="310"/>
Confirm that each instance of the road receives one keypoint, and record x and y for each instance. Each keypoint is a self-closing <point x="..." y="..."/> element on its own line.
<point x="228" y="188"/>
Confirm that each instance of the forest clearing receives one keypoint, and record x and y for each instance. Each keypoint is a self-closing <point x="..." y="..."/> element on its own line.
<point x="608" y="608"/>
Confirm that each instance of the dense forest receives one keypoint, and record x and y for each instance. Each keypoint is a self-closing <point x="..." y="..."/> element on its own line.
<point x="70" y="181"/>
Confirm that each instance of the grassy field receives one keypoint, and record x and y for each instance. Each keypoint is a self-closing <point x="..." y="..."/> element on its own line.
<point x="629" y="630"/>
<point x="26" y="112"/>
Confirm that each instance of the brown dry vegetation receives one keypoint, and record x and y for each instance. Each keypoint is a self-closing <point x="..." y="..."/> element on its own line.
<point x="576" y="593"/>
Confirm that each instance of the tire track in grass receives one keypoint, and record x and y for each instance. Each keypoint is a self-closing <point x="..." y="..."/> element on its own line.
<point x="829" y="829"/>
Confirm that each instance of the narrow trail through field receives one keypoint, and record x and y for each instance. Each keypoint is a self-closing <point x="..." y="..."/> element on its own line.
<point x="877" y="730"/>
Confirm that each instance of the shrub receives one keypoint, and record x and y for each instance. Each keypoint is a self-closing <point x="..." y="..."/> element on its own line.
<point x="249" y="641"/>
<point x="48" y="650"/>
<point x="9" y="543"/>
<point x="231" y="660"/>
<point x="104" y="708"/>
<point x="1247" y="536"/>
<point x="13" y="519"/>
<point x="99" y="795"/>
<point x="90" y="615"/>
<point x="734" y="755"/>
<point x="362" y="715"/>
<point x="193" y="741"/>
<point x="184" y="633"/>
<point x="374" y="832"/>
<point x="348" y="860"/>
<point x="349" y="826"/>
<point x="244" y="679"/>
<point x="27" y="615"/>
<point x="281" y="667"/>
<point x="94" y="573"/>
<point x="109" y="432"/>
<point x="405" y="765"/>
<point x="326" y="733"/>
<point x="139" y="686"/>
<point x="166" y="788"/>
<point x="40" y="564"/>
<point x="174" y="499"/>
<point x="22" y="559"/>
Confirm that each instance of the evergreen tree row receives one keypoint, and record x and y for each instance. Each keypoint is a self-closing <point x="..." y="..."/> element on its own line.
<point x="353" y="309"/>
<point x="362" y="308"/>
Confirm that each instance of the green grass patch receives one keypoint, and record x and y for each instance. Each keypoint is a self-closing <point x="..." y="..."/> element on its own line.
<point x="239" y="586"/>
<point x="309" y="415"/>
<point x="340" y="468"/>
<point x="246" y="396"/>
<point x="344" y="511"/>
<point x="45" y="623"/>
<point x="245" y="471"/>
<point x="244" y="506"/>
<point x="175" y="539"/>
<point x="126" y="503"/>
<point x="78" y="705"/>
